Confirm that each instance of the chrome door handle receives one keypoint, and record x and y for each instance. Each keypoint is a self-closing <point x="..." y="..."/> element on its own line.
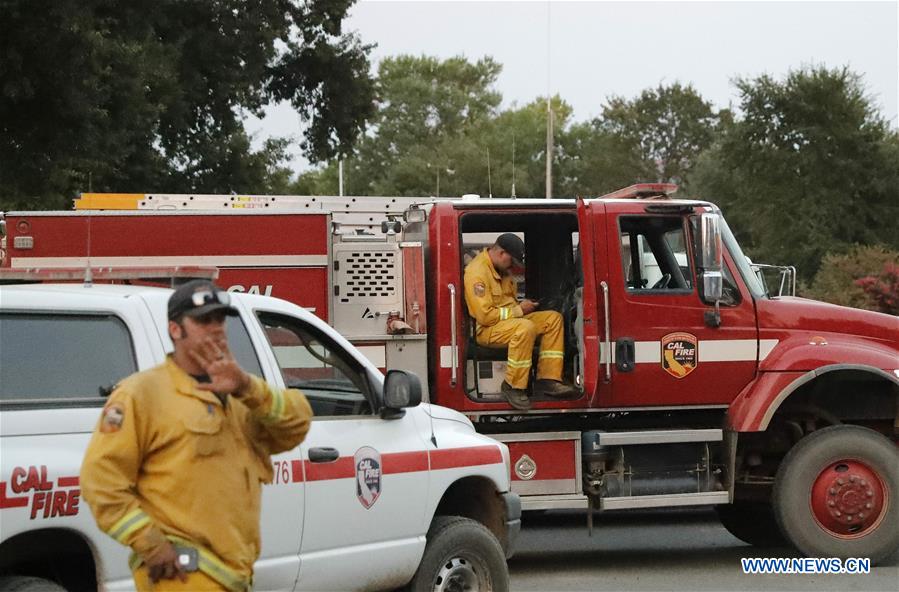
<point x="607" y="338"/>
<point x="323" y="454"/>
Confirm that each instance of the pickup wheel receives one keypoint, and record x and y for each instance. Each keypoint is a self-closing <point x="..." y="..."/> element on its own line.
<point x="751" y="522"/>
<point x="28" y="584"/>
<point x="461" y="555"/>
<point x="836" y="494"/>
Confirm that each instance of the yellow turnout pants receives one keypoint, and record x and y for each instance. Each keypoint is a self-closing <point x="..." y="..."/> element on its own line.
<point x="197" y="581"/>
<point x="519" y="334"/>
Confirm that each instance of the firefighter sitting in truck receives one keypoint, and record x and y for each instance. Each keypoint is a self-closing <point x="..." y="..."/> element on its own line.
<point x="502" y="321"/>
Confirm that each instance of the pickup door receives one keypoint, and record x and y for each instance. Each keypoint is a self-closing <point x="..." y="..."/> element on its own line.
<point x="366" y="478"/>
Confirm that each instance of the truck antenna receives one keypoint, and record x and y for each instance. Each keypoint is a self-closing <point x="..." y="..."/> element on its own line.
<point x="513" y="196"/>
<point x="489" y="183"/>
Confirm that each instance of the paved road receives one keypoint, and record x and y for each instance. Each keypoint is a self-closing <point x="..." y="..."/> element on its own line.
<point x="672" y="550"/>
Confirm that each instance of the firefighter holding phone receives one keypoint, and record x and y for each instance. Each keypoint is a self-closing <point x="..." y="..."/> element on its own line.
<point x="501" y="320"/>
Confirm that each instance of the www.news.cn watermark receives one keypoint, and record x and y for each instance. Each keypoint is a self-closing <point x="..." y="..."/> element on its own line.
<point x="805" y="565"/>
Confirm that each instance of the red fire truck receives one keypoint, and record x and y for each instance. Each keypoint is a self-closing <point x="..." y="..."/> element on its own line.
<point x="695" y="387"/>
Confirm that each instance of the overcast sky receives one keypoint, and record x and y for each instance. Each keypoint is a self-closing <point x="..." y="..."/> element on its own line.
<point x="587" y="51"/>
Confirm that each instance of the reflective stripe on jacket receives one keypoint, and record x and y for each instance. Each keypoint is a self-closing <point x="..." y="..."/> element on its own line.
<point x="490" y="296"/>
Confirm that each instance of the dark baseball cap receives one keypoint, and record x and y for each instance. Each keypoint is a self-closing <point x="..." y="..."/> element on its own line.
<point x="511" y="244"/>
<point x="197" y="298"/>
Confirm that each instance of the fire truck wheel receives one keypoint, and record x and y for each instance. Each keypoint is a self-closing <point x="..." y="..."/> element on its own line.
<point x="836" y="494"/>
<point x="28" y="584"/>
<point x="461" y="554"/>
<point x="751" y="522"/>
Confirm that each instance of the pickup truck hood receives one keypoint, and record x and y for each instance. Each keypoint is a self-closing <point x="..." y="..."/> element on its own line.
<point x="438" y="412"/>
<point x="800" y="314"/>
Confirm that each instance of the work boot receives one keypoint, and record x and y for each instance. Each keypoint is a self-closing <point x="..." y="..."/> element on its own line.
<point x="517" y="398"/>
<point x="554" y="388"/>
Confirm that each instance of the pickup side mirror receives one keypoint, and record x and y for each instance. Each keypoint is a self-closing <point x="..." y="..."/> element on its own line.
<point x="711" y="262"/>
<point x="401" y="389"/>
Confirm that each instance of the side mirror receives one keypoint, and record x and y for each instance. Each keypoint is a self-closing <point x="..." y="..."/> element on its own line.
<point x="710" y="239"/>
<point x="712" y="264"/>
<point x="713" y="285"/>
<point x="401" y="389"/>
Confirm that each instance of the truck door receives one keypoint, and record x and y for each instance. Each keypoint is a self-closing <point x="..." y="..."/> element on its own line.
<point x="590" y="303"/>
<point x="663" y="353"/>
<point x="365" y="477"/>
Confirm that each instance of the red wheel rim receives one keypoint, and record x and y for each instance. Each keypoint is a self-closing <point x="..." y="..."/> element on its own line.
<point x="849" y="499"/>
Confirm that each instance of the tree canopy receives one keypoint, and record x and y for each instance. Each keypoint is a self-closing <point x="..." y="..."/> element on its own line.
<point x="809" y="168"/>
<point x="119" y="96"/>
<point x="668" y="127"/>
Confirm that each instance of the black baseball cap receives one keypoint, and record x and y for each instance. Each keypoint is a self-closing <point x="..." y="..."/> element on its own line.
<point x="511" y="244"/>
<point x="197" y="298"/>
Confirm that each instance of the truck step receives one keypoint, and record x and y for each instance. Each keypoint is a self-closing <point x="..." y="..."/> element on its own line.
<point x="554" y="502"/>
<point x="664" y="501"/>
<point x="658" y="437"/>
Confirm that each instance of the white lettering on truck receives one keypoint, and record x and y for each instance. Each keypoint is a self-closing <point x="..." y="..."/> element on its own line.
<point x="254" y="289"/>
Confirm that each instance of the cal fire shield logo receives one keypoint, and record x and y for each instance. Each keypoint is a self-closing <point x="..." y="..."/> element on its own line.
<point x="367" y="461"/>
<point x="680" y="354"/>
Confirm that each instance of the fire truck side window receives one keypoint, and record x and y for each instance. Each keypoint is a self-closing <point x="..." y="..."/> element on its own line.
<point x="334" y="383"/>
<point x="54" y="357"/>
<point x="654" y="254"/>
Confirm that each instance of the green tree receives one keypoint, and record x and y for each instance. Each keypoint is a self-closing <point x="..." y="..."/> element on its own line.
<point x="523" y="128"/>
<point x="120" y="96"/>
<point x="668" y="126"/>
<point x="595" y="161"/>
<point x="427" y="109"/>
<point x="809" y="168"/>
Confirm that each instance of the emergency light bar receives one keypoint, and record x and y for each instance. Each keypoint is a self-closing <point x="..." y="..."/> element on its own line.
<point x="643" y="191"/>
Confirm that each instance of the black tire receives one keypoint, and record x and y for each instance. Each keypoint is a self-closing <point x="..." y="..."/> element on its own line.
<point x="461" y="552"/>
<point x="28" y="584"/>
<point x="751" y="522"/>
<point x="826" y="494"/>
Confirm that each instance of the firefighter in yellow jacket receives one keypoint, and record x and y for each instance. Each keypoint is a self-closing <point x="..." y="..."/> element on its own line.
<point x="176" y="465"/>
<point x="490" y="292"/>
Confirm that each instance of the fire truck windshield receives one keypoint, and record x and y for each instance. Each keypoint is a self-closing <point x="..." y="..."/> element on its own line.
<point x="749" y="277"/>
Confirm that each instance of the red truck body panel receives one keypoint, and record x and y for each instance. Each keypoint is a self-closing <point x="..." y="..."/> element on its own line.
<point x="288" y="254"/>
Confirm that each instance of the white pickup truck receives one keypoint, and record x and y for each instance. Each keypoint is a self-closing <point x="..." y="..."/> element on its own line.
<point x="436" y="513"/>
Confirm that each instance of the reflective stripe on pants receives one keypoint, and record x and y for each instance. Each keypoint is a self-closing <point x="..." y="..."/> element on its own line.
<point x="208" y="564"/>
<point x="519" y="335"/>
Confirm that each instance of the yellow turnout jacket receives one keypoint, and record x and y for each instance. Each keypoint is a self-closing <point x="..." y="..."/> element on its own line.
<point x="490" y="296"/>
<point x="168" y="460"/>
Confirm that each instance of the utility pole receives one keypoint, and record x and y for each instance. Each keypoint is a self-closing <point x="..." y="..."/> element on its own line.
<point x="549" y="102"/>
<point x="549" y="148"/>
